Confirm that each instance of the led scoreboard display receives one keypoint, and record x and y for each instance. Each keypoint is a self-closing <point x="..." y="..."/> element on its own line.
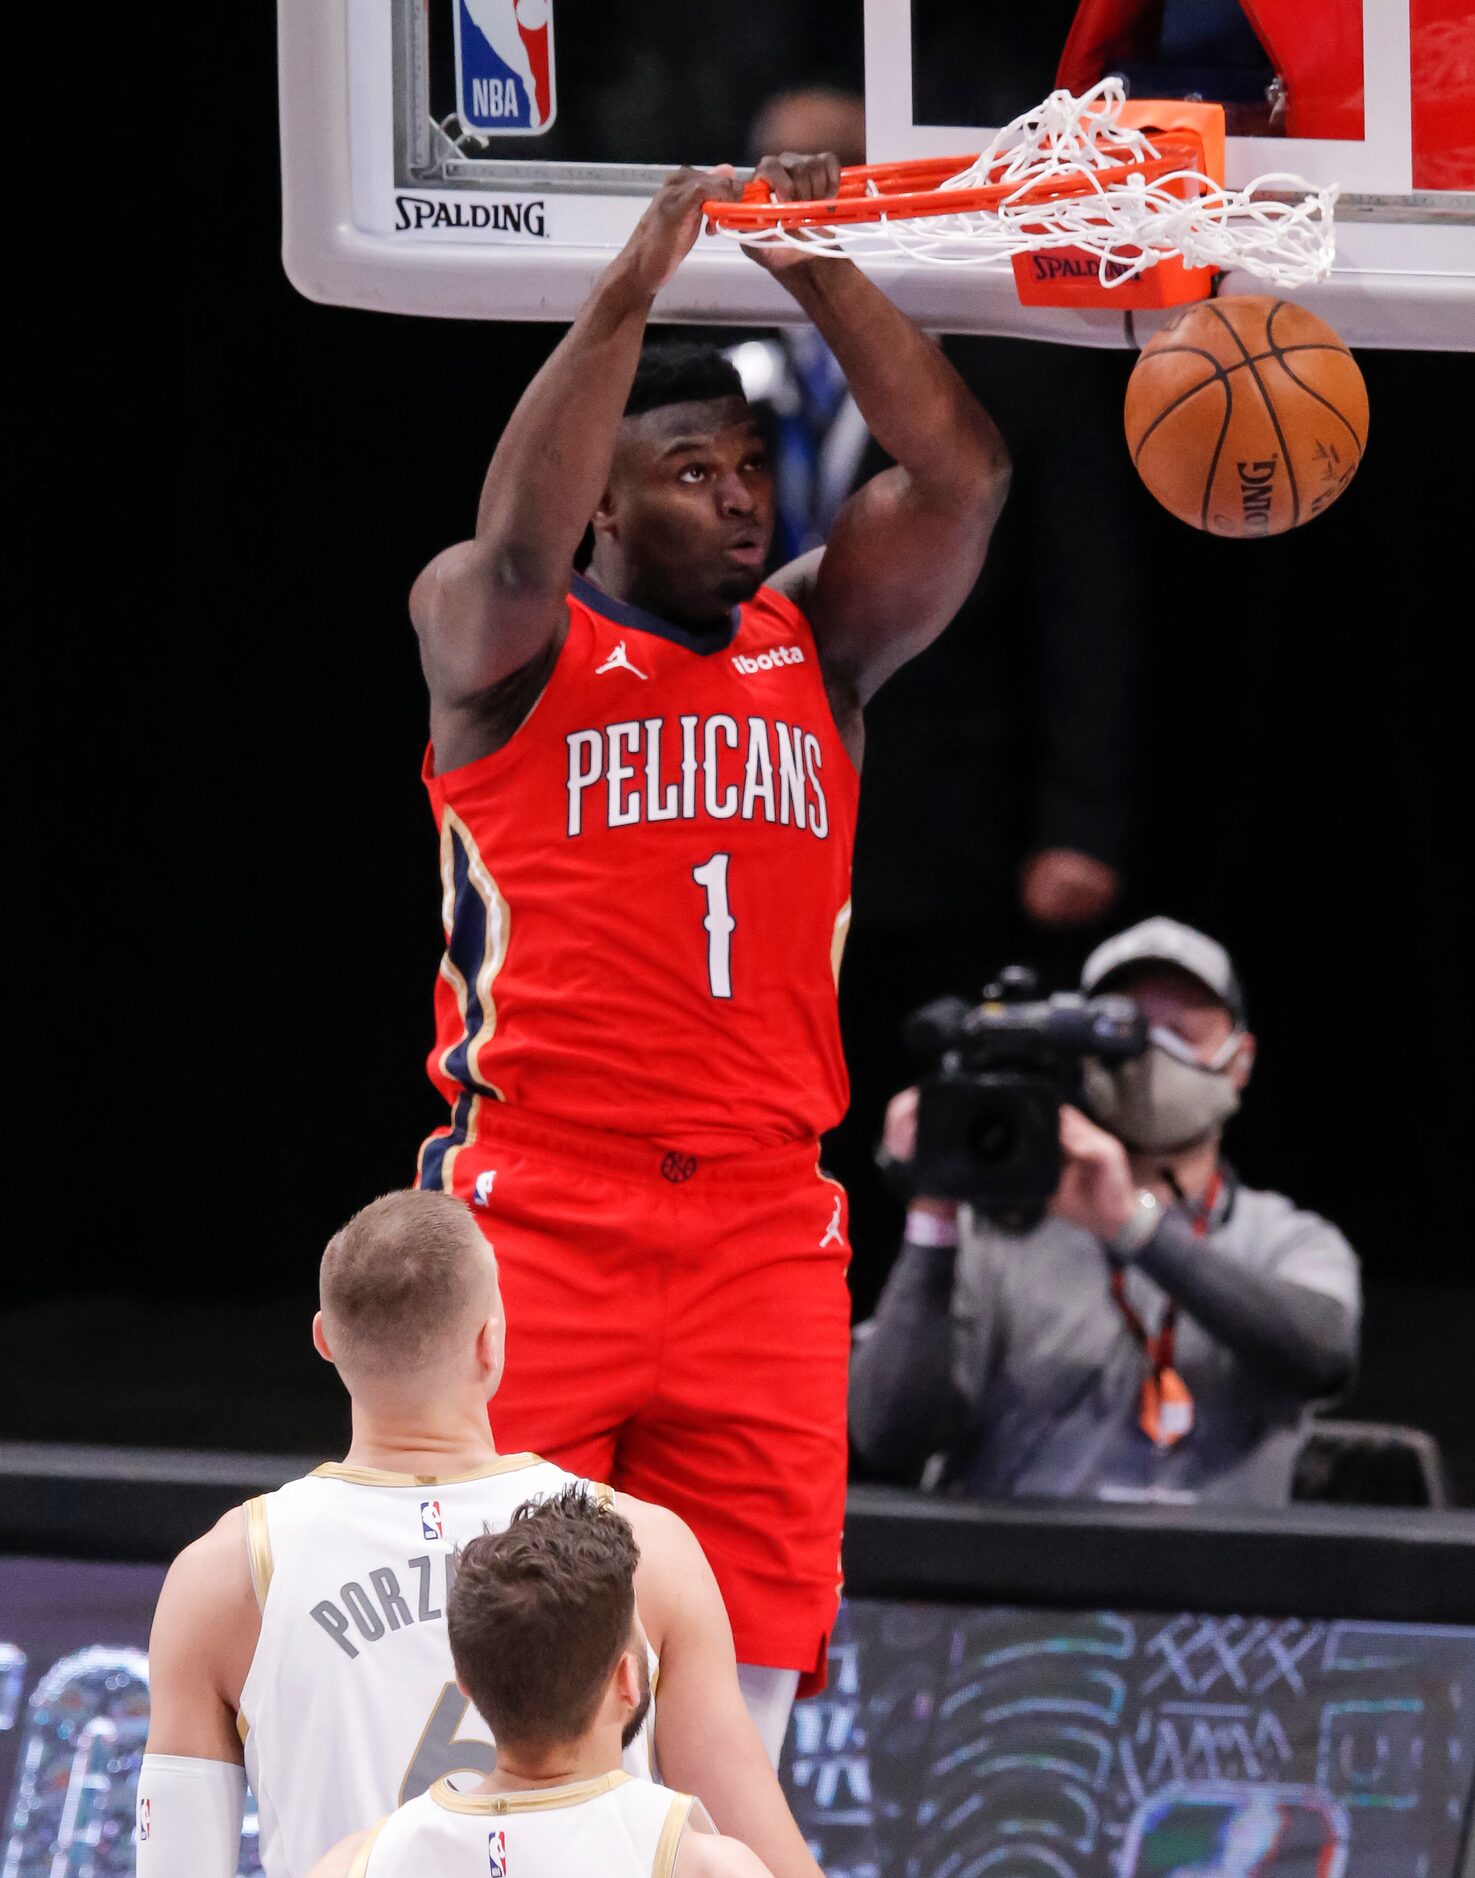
<point x="953" y="1739"/>
<point x="1126" y="1744"/>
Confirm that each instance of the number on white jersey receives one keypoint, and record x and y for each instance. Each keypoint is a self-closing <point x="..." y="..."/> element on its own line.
<point x="440" y="1752"/>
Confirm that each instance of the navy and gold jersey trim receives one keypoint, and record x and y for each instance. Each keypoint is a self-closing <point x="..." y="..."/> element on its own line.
<point x="438" y="1155"/>
<point x="621" y="613"/>
<point x="477" y="922"/>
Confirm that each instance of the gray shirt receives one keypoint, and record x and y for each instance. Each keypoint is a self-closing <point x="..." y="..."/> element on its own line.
<point x="1012" y="1359"/>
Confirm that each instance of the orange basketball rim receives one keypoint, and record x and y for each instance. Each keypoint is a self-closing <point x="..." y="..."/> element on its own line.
<point x="1092" y="200"/>
<point x="1187" y="137"/>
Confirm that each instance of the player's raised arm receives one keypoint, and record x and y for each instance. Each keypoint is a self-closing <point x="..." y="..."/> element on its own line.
<point x="489" y="606"/>
<point x="705" y="1739"/>
<point x="906" y="547"/>
<point x="192" y="1785"/>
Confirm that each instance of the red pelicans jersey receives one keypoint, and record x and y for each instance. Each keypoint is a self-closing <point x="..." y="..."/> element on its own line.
<point x="646" y="891"/>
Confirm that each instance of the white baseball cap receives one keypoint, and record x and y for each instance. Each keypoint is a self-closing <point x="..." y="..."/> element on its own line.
<point x="1162" y="941"/>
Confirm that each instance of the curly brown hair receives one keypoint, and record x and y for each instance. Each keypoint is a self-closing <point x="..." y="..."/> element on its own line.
<point x="539" y="1615"/>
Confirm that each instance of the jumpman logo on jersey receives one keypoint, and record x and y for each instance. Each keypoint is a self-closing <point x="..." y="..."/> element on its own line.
<point x="619" y="661"/>
<point x="833" y="1234"/>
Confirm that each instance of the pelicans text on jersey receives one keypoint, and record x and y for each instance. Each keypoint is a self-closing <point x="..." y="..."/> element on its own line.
<point x="645" y="897"/>
<point x="646" y="891"/>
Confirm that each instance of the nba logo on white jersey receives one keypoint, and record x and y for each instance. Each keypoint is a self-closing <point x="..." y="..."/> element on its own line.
<point x="504" y="66"/>
<point x="497" y="1854"/>
<point x="431" y="1526"/>
<point x="145" y="1820"/>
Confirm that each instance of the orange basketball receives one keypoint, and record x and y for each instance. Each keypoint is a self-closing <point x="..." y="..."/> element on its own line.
<point x="1246" y="416"/>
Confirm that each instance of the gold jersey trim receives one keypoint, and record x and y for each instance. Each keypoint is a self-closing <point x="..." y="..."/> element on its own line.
<point x="664" y="1863"/>
<point x="360" y="1866"/>
<point x="376" y="1477"/>
<point x="837" y="941"/>
<point x="258" y="1546"/>
<point x="535" y="1800"/>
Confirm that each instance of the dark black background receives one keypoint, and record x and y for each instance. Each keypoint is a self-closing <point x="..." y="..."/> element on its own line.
<point x="226" y="894"/>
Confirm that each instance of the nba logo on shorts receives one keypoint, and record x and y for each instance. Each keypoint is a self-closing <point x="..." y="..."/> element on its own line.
<point x="504" y="66"/>
<point x="497" y="1854"/>
<point x="430" y="1520"/>
<point x="145" y="1820"/>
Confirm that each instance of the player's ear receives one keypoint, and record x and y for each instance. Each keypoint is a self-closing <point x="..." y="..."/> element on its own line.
<point x="604" y="518"/>
<point x="627" y="1679"/>
<point x="1244" y="1061"/>
<point x="320" y="1339"/>
<point x="491" y="1350"/>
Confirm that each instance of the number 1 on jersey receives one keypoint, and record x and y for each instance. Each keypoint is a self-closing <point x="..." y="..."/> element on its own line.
<point x="719" y="923"/>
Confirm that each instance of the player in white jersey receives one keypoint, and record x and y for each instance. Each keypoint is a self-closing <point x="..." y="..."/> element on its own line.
<point x="546" y="1642"/>
<point x="303" y="1639"/>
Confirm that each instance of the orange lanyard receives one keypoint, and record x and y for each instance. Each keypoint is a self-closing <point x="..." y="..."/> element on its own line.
<point x="1165" y="1413"/>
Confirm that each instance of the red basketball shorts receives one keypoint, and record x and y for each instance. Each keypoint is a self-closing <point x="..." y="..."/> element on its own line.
<point x="680" y="1328"/>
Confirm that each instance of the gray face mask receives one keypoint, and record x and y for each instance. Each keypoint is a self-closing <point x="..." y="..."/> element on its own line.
<point x="1165" y="1099"/>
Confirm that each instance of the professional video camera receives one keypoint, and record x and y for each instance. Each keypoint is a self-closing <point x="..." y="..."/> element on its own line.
<point x="988" y="1119"/>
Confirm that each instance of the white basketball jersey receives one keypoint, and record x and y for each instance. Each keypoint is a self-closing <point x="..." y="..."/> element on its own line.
<point x="350" y="1707"/>
<point x="611" y="1826"/>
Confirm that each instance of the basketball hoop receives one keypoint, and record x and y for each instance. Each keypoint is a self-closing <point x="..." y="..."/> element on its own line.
<point x="1090" y="199"/>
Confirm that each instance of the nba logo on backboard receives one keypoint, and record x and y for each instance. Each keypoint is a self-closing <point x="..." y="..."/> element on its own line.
<point x="497" y="1854"/>
<point x="430" y="1520"/>
<point x="145" y="1820"/>
<point x="504" y="66"/>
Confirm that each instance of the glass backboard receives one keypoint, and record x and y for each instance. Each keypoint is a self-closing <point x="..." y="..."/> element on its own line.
<point x="484" y="158"/>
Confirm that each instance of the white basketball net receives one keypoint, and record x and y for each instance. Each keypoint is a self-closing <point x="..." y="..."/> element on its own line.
<point x="1278" y="227"/>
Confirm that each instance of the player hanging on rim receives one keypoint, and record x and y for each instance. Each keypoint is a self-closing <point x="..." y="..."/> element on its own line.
<point x="645" y="781"/>
<point x="305" y="1635"/>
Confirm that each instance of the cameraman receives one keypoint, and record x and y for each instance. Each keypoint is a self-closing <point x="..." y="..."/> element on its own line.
<point x="1164" y="1331"/>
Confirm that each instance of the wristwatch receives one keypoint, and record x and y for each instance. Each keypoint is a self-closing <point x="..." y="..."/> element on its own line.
<point x="926" y="1228"/>
<point x="1138" y="1227"/>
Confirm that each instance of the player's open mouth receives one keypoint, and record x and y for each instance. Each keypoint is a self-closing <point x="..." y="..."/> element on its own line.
<point x="748" y="549"/>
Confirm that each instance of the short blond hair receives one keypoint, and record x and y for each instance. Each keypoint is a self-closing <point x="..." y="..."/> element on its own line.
<point x="400" y="1280"/>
